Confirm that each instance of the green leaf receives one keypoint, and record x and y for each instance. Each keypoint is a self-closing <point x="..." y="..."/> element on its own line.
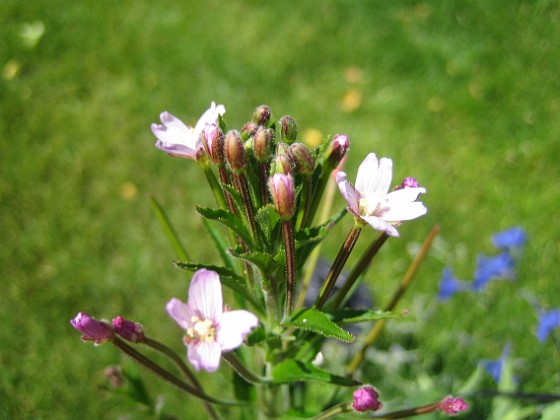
<point x="267" y="217"/>
<point x="226" y="218"/>
<point x="168" y="229"/>
<point x="228" y="278"/>
<point x="353" y="316"/>
<point x="262" y="260"/>
<point x="318" y="322"/>
<point x="256" y="336"/>
<point x="291" y="370"/>
<point x="308" y="238"/>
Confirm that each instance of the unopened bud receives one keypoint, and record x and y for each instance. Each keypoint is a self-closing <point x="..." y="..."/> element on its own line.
<point x="213" y="141"/>
<point x="288" y="129"/>
<point x="248" y="130"/>
<point x="262" y="114"/>
<point x="283" y="194"/>
<point x="235" y="151"/>
<point x="336" y="151"/>
<point x="366" y="399"/>
<point x="129" y="330"/>
<point x="282" y="162"/>
<point x="302" y="158"/>
<point x="261" y="144"/>
<point x="97" y="331"/>
<point x="409" y="182"/>
<point x="452" y="406"/>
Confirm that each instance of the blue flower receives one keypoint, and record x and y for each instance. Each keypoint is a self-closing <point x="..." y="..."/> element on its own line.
<point x="494" y="367"/>
<point x="547" y="322"/>
<point x="514" y="237"/>
<point x="449" y="285"/>
<point x="501" y="266"/>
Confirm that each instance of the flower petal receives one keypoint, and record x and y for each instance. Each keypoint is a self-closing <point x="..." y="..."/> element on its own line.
<point x="381" y="225"/>
<point x="407" y="211"/>
<point x="210" y="116"/>
<point x="205" y="295"/>
<point x="348" y="191"/>
<point x="180" y="312"/>
<point x="374" y="176"/>
<point x="204" y="355"/>
<point x="234" y="327"/>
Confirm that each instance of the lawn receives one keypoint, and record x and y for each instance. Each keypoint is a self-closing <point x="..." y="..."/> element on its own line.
<point x="464" y="96"/>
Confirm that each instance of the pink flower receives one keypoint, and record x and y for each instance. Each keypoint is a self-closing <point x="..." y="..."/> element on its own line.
<point x="209" y="329"/>
<point x="180" y="140"/>
<point x="366" y="399"/>
<point x="97" y="331"/>
<point x="370" y="201"/>
<point x="452" y="406"/>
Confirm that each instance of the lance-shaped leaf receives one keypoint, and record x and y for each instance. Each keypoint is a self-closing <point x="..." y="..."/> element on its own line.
<point x="353" y="316"/>
<point x="226" y="218"/>
<point x="228" y="278"/>
<point x="220" y="245"/>
<point x="318" y="322"/>
<point x="291" y="370"/>
<point x="264" y="262"/>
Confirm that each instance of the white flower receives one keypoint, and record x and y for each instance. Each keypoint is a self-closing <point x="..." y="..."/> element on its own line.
<point x="209" y="330"/>
<point x="178" y="139"/>
<point x="370" y="200"/>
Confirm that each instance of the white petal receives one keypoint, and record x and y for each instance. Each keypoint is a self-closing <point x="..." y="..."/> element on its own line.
<point x="210" y="116"/>
<point x="234" y="327"/>
<point x="349" y="193"/>
<point x="173" y="131"/>
<point x="406" y="211"/>
<point x="205" y="295"/>
<point x="205" y="355"/>
<point x="405" y="194"/>
<point x="381" y="225"/>
<point x="367" y="172"/>
<point x="180" y="312"/>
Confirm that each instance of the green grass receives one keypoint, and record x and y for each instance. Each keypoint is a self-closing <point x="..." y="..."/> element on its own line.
<point x="463" y="97"/>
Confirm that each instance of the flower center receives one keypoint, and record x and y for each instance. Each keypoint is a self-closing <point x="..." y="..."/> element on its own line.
<point x="372" y="204"/>
<point x="202" y="330"/>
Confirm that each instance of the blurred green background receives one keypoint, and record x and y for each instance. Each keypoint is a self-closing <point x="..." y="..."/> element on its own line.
<point x="462" y="95"/>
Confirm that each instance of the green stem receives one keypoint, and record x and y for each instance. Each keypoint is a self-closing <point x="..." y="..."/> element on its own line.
<point x="263" y="176"/>
<point x="338" y="264"/>
<point x="289" y="245"/>
<point x="334" y="411"/>
<point x="305" y="202"/>
<point x="164" y="374"/>
<point x="403" y="286"/>
<point x="362" y="264"/>
<point x="214" y="185"/>
<point x="168" y="229"/>
<point x="232" y="360"/>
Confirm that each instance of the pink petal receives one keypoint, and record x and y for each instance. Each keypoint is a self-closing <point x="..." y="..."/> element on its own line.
<point x="234" y="327"/>
<point x="180" y="312"/>
<point x="204" y="355"/>
<point x="205" y="295"/>
<point x="349" y="193"/>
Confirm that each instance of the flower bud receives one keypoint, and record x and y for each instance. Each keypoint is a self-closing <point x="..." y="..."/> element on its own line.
<point x="452" y="406"/>
<point x="213" y="141"/>
<point x="97" y="331"/>
<point x="261" y="144"/>
<point x="129" y="330"/>
<point x="288" y="129"/>
<point x="235" y="151"/>
<point x="366" y="399"/>
<point x="282" y="163"/>
<point x="336" y="151"/>
<point x="302" y="158"/>
<point x="262" y="114"/>
<point x="248" y="130"/>
<point x="283" y="194"/>
<point x="115" y="376"/>
<point x="408" y="182"/>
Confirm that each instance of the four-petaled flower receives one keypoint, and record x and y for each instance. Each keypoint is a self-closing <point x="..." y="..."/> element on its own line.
<point x="370" y="201"/>
<point x="179" y="140"/>
<point x="209" y="329"/>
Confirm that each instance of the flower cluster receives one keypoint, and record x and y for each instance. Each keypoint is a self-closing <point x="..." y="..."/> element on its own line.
<point x="268" y="187"/>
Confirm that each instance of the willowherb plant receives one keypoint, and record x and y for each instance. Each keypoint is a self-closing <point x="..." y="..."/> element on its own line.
<point x="269" y="188"/>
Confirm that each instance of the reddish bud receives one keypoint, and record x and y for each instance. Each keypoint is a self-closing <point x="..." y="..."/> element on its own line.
<point x="213" y="141"/>
<point x="452" y="406"/>
<point x="302" y="158"/>
<point x="129" y="330"/>
<point x="97" y="331"/>
<point x="235" y="151"/>
<point x="366" y="399"/>
<point x="283" y="194"/>
<point x="288" y="129"/>
<point x="262" y="114"/>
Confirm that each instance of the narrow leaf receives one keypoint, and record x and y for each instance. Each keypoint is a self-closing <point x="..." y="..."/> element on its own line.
<point x="318" y="322"/>
<point x="291" y="370"/>
<point x="226" y="218"/>
<point x="267" y="217"/>
<point x="168" y="229"/>
<point x="220" y="245"/>
<point x="353" y="316"/>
